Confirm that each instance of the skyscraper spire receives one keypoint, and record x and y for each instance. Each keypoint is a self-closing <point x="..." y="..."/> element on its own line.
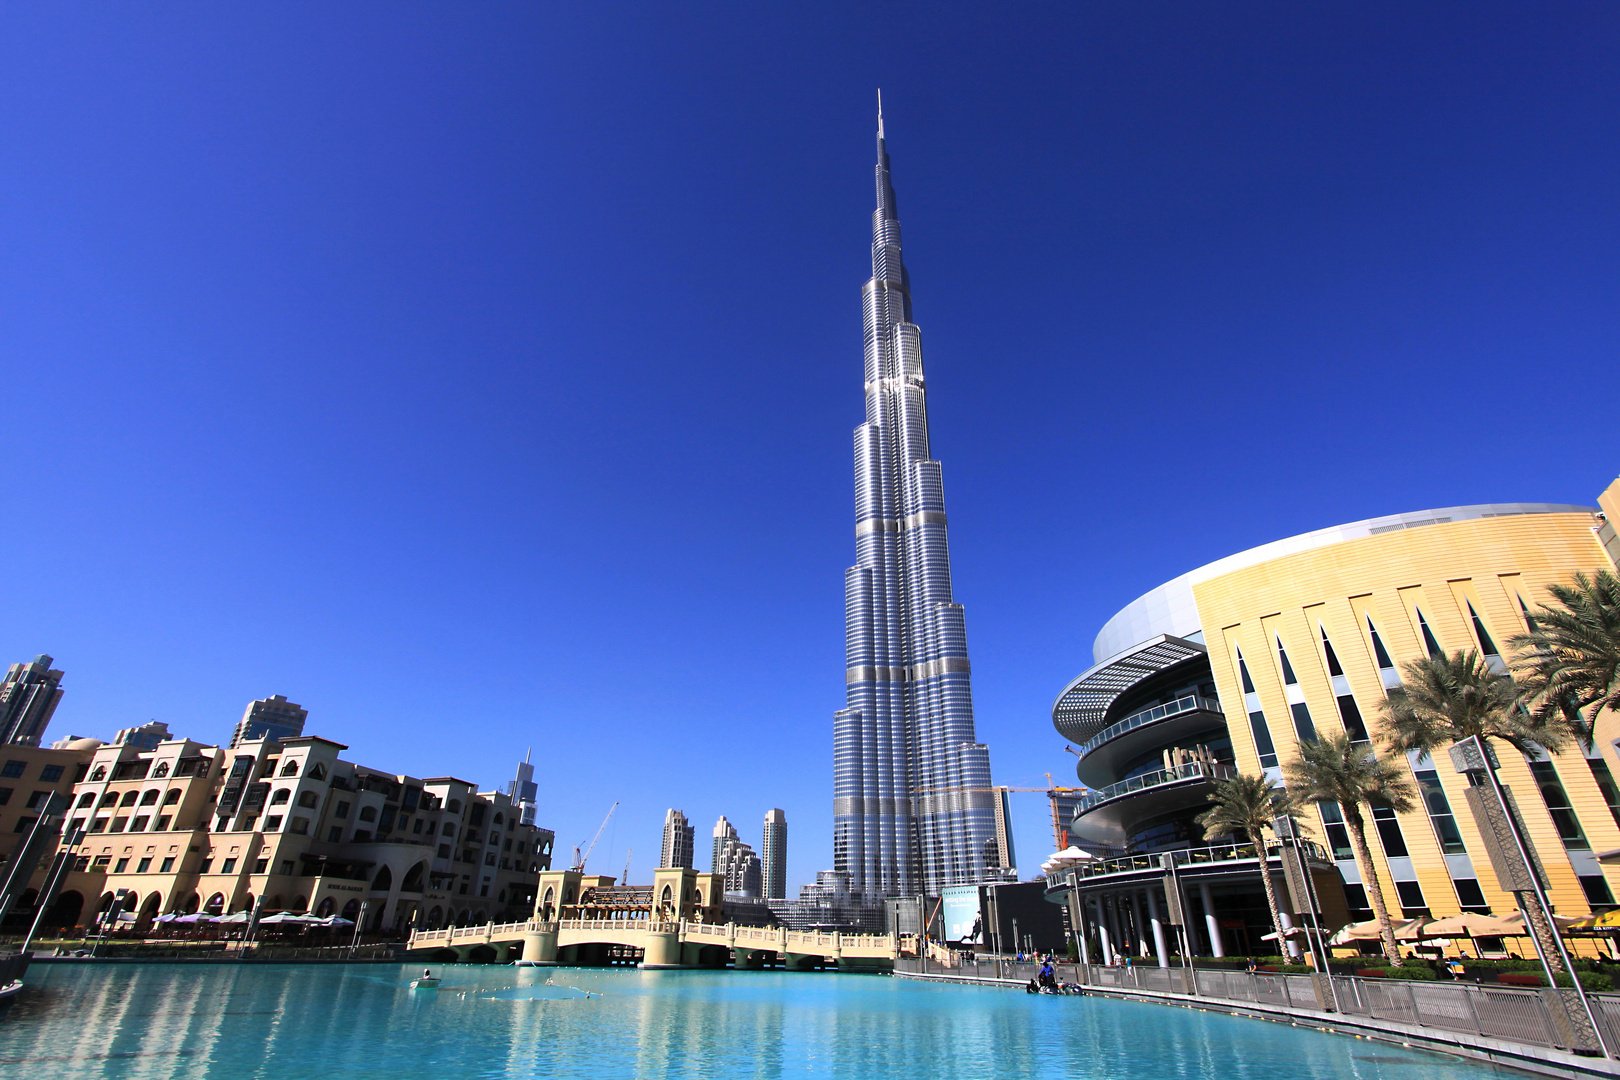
<point x="880" y="112"/>
<point x="912" y="810"/>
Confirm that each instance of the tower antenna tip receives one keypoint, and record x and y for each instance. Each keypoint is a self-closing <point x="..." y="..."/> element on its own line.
<point x="880" y="112"/>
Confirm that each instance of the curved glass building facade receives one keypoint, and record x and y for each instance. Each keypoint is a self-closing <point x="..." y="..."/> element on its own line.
<point x="1227" y="668"/>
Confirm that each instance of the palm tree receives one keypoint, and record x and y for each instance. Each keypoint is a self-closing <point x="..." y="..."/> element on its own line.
<point x="1447" y="699"/>
<point x="1246" y="804"/>
<point x="1570" y="660"/>
<point x="1335" y="769"/>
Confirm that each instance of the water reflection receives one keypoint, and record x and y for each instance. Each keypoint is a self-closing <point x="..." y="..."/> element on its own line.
<point x="131" y="1022"/>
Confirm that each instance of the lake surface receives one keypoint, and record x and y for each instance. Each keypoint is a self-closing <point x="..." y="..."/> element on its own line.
<point x="283" y="1021"/>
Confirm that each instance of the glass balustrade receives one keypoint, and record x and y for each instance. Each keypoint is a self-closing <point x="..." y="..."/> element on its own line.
<point x="1193" y="770"/>
<point x="1189" y="703"/>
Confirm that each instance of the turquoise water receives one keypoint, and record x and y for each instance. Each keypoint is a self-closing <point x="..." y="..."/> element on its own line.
<point x="359" y="1021"/>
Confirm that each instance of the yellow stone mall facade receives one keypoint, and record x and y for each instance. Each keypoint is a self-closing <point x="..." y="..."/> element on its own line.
<point x="1225" y="669"/>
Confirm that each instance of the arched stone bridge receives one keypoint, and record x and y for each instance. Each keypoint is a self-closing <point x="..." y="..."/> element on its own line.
<point x="664" y="944"/>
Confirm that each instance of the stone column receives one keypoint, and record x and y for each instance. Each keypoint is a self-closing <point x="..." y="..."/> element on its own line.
<point x="1117" y="921"/>
<point x="540" y="943"/>
<point x="1077" y="918"/>
<point x="1105" y="937"/>
<point x="663" y="949"/>
<point x="1211" y="923"/>
<point x="1139" y="945"/>
<point x="1158" y="930"/>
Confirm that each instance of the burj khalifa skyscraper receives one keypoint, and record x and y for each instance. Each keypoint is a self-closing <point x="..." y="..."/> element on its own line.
<point x="912" y="809"/>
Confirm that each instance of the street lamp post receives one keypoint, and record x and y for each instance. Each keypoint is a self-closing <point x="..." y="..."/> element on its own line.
<point x="1519" y="872"/>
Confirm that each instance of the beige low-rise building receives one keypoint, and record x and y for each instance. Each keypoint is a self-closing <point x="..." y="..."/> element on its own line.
<point x="290" y="825"/>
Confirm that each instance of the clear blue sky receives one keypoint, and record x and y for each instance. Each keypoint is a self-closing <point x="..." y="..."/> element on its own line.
<point x="482" y="376"/>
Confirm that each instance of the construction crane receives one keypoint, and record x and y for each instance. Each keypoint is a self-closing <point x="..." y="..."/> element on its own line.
<point x="626" y="879"/>
<point x="579" y="860"/>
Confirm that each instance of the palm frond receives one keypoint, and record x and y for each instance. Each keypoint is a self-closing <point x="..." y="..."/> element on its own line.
<point x="1335" y="769"/>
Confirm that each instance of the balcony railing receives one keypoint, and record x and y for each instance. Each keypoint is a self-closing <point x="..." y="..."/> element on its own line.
<point x="1193" y="770"/>
<point x="1190" y="703"/>
<point x="1185" y="858"/>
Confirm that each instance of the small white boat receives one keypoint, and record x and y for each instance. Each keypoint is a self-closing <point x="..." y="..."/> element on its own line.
<point x="10" y="990"/>
<point x="426" y="982"/>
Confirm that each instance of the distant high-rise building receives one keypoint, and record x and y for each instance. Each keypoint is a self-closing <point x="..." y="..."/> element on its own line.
<point x="270" y="718"/>
<point x="740" y="867"/>
<point x="773" y="849"/>
<point x="911" y="802"/>
<point x="145" y="737"/>
<point x="1002" y="841"/>
<point x="524" y="791"/>
<point x="678" y="841"/>
<point x="723" y="832"/>
<point x="28" y="697"/>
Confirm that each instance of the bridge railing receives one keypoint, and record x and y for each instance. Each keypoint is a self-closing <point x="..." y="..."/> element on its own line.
<point x="482" y="932"/>
<point x="644" y="926"/>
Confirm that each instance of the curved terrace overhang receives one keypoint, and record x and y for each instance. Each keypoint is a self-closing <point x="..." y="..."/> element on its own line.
<point x="1081" y="710"/>
<point x="1170" y="610"/>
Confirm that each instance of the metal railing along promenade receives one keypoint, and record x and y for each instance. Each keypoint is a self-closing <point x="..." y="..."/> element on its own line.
<point x="1523" y="1017"/>
<point x="1189" y="703"/>
<point x="1186" y="858"/>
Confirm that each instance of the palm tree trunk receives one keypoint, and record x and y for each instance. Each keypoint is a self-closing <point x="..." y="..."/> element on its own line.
<point x="1369" y="879"/>
<point x="1259" y="842"/>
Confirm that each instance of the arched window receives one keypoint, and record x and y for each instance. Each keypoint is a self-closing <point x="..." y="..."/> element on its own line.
<point x="162" y="770"/>
<point x="247" y="904"/>
<point x="455" y="806"/>
<point x="351" y="909"/>
<point x="290" y="769"/>
<point x="498" y="819"/>
<point x="281" y="796"/>
<point x="413" y="878"/>
<point x="318" y="772"/>
<point x="435" y="918"/>
<point x="325" y="910"/>
<point x="129" y="798"/>
<point x="150" y="797"/>
<point x="87" y="798"/>
<point x="667" y="899"/>
<point x="308" y="799"/>
<point x="172" y="797"/>
<point x="383" y="881"/>
<point x="100" y="773"/>
<point x="449" y="829"/>
<point x="368" y="813"/>
<point x="216" y="904"/>
<point x="299" y="903"/>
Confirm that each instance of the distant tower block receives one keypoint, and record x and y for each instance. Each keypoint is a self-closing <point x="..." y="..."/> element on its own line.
<point x="773" y="847"/>
<point x="724" y="833"/>
<point x="144" y="738"/>
<point x="28" y="697"/>
<point x="912" y="811"/>
<point x="678" y="842"/>
<point x="270" y="718"/>
<point x="523" y="791"/>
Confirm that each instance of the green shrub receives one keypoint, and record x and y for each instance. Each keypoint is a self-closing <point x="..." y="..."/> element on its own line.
<point x="1418" y="972"/>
